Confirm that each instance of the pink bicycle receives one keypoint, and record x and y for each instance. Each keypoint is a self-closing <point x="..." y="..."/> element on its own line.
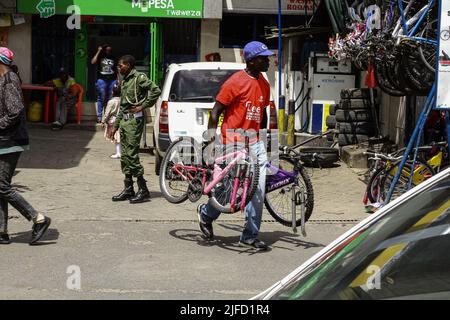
<point x="230" y="181"/>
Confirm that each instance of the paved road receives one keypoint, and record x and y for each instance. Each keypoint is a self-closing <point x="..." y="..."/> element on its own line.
<point x="152" y="250"/>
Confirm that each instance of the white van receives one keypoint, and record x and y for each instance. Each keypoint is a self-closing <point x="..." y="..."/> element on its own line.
<point x="187" y="98"/>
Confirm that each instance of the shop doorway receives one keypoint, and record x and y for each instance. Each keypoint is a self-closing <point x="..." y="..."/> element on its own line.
<point x="178" y="42"/>
<point x="124" y="39"/>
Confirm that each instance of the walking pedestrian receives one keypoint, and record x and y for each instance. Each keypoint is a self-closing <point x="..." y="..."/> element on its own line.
<point x="106" y="77"/>
<point x="14" y="140"/>
<point x="138" y="93"/>
<point x="243" y="99"/>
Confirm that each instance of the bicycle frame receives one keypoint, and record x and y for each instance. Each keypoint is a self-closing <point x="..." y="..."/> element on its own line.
<point x="415" y="21"/>
<point x="219" y="173"/>
<point x="280" y="179"/>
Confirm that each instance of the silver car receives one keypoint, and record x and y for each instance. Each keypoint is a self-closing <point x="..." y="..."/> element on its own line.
<point x="400" y="252"/>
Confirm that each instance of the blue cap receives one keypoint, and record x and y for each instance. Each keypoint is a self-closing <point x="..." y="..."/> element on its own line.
<point x="254" y="49"/>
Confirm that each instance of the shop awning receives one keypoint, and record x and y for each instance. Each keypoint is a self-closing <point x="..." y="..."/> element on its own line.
<point x="124" y="8"/>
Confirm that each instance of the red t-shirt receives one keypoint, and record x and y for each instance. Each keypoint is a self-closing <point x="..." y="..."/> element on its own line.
<point x="245" y="99"/>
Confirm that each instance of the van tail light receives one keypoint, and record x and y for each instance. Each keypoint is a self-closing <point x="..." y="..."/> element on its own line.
<point x="273" y="123"/>
<point x="164" y="118"/>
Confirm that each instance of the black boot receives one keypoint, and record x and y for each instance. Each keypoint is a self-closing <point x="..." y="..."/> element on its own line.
<point x="143" y="195"/>
<point x="127" y="192"/>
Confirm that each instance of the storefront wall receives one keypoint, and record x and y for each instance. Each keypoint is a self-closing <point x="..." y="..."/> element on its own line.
<point x="209" y="43"/>
<point x="19" y="41"/>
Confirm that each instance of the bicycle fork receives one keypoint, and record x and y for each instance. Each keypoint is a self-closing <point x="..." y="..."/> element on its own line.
<point x="302" y="209"/>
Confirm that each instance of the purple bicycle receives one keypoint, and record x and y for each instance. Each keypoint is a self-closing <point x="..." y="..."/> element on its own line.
<point x="289" y="191"/>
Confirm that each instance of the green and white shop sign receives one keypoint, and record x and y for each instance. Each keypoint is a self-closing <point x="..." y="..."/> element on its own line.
<point x="124" y="8"/>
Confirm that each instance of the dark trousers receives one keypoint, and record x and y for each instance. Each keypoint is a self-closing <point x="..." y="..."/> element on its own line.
<point x="8" y="163"/>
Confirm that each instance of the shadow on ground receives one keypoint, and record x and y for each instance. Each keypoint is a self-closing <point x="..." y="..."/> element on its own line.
<point x="275" y="239"/>
<point x="55" y="149"/>
<point x="48" y="238"/>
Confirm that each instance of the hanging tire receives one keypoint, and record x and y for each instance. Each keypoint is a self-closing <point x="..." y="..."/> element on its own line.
<point x="350" y="139"/>
<point x="384" y="83"/>
<point x="366" y="128"/>
<point x="331" y="122"/>
<point x="353" y="115"/>
<point x="347" y="104"/>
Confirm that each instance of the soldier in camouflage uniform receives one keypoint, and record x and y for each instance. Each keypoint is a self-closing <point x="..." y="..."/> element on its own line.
<point x="138" y="93"/>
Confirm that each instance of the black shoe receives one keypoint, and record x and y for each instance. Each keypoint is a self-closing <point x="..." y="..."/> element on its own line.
<point x="4" y="239"/>
<point x="127" y="193"/>
<point x="254" y="243"/>
<point x="143" y="195"/>
<point x="205" y="228"/>
<point x="39" y="230"/>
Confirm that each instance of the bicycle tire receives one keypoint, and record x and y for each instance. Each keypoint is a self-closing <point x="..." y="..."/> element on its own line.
<point x="278" y="213"/>
<point x="428" y="52"/>
<point x="384" y="83"/>
<point x="165" y="173"/>
<point x="400" y="187"/>
<point x="222" y="204"/>
<point x="374" y="184"/>
<point x="413" y="76"/>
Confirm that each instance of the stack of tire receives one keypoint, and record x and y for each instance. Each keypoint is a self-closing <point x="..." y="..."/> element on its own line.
<point x="352" y="117"/>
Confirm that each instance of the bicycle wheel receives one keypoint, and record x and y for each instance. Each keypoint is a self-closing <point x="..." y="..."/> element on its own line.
<point x="279" y="201"/>
<point x="173" y="185"/>
<point x="403" y="181"/>
<point x="373" y="186"/>
<point x="246" y="177"/>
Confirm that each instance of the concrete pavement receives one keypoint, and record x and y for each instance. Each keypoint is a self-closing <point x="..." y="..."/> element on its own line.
<point x="152" y="250"/>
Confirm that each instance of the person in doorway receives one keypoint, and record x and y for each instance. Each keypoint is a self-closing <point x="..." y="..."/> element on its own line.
<point x="67" y="94"/>
<point x="243" y="99"/>
<point x="109" y="118"/>
<point x="138" y="94"/>
<point x="14" y="141"/>
<point x="106" y="77"/>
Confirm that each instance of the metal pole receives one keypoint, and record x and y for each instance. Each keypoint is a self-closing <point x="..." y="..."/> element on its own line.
<point x="414" y="136"/>
<point x="291" y="102"/>
<point x="281" y="98"/>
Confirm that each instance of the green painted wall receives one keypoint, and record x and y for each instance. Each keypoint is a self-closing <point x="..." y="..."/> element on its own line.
<point x="81" y="49"/>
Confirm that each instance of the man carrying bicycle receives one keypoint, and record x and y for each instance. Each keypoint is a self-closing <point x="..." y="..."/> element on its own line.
<point x="243" y="99"/>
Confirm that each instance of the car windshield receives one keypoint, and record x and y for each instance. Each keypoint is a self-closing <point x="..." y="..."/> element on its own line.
<point x="198" y="85"/>
<point x="403" y="255"/>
